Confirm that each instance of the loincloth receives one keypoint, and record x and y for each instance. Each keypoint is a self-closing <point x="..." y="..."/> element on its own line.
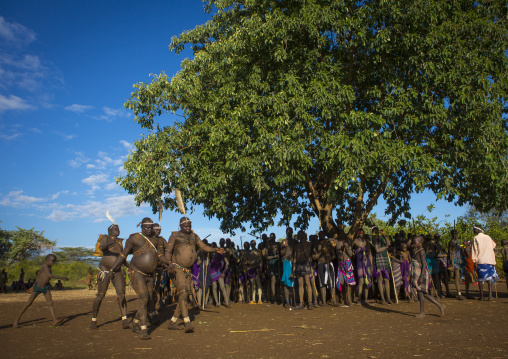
<point x="42" y="290"/>
<point x="302" y="269"/>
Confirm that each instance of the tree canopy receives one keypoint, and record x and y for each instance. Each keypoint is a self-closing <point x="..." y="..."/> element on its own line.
<point x="21" y="244"/>
<point x="319" y="108"/>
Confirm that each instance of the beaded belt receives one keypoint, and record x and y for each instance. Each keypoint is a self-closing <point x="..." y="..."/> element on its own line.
<point x="185" y="270"/>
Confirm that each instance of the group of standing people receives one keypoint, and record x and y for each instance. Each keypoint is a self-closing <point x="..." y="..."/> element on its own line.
<point x="299" y="272"/>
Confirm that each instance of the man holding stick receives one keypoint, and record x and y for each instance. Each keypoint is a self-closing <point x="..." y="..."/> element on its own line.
<point x="182" y="246"/>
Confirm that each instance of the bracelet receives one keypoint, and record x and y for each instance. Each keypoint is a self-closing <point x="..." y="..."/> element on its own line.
<point x="121" y="255"/>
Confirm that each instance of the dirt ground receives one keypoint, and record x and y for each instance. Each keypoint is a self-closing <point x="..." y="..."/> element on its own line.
<point x="469" y="329"/>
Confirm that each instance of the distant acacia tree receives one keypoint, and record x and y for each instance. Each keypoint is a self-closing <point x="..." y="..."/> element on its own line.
<point x="74" y="254"/>
<point x="21" y="244"/>
<point x="319" y="108"/>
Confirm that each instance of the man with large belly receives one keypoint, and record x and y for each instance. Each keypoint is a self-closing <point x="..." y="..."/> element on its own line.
<point x="182" y="250"/>
<point x="143" y="248"/>
<point x="111" y="247"/>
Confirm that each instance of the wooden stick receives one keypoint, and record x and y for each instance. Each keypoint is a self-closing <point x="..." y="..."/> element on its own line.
<point x="249" y="331"/>
<point x="393" y="280"/>
<point x="204" y="276"/>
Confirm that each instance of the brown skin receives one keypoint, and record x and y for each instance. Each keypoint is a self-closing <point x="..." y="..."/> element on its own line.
<point x="419" y="255"/>
<point x="383" y="284"/>
<point x="253" y="258"/>
<point x="142" y="265"/>
<point x="343" y="251"/>
<point x="323" y="252"/>
<point x="43" y="278"/>
<point x="361" y="242"/>
<point x="480" y="284"/>
<point x="111" y="247"/>
<point x="182" y="250"/>
<point x="441" y="256"/>
<point x="431" y="248"/>
<point x="287" y="255"/>
<point x="272" y="251"/>
<point x="452" y="247"/>
<point x="303" y="253"/>
<point x="220" y="281"/>
<point x="156" y="293"/>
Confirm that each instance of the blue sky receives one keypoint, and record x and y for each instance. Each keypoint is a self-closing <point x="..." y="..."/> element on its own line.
<point x="66" y="68"/>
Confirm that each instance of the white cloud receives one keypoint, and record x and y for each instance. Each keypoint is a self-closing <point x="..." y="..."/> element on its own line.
<point x="65" y="136"/>
<point x="105" y="161"/>
<point x="13" y="103"/>
<point x="94" y="180"/>
<point x="126" y="145"/>
<point x="115" y="112"/>
<point x="78" y="108"/>
<point x="15" y="33"/>
<point x="110" y="114"/>
<point x="10" y="137"/>
<point x="26" y="62"/>
<point x="111" y="186"/>
<point x="79" y="160"/>
<point x="18" y="199"/>
<point x="56" y="195"/>
<point x="119" y="206"/>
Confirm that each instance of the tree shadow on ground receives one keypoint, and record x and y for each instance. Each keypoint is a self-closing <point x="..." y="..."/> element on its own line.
<point x="27" y="323"/>
<point x="384" y="309"/>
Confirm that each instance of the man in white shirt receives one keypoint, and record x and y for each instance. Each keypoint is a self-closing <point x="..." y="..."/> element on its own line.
<point x="484" y="258"/>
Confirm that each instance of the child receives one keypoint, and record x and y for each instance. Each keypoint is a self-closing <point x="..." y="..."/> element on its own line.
<point x="42" y="286"/>
<point x="419" y="277"/>
<point x="405" y="258"/>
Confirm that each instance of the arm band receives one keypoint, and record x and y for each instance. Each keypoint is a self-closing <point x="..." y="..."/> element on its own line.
<point x="121" y="255"/>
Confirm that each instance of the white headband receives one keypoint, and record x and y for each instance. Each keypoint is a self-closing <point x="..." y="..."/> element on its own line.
<point x="478" y="228"/>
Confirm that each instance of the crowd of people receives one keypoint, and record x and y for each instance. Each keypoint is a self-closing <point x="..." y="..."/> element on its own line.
<point x="299" y="272"/>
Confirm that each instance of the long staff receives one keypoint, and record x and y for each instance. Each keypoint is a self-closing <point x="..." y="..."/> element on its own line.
<point x="204" y="278"/>
<point x="393" y="280"/>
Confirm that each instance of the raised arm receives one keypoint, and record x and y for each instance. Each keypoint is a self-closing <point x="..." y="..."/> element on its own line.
<point x="377" y="247"/>
<point x="129" y="244"/>
<point x="51" y="275"/>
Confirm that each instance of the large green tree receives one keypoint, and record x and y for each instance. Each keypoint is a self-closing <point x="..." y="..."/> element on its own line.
<point x="20" y="244"/>
<point x="318" y="108"/>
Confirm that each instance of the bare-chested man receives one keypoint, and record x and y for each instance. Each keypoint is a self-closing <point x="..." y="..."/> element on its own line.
<point x="419" y="277"/>
<point x="272" y="251"/>
<point x="143" y="248"/>
<point x="431" y="251"/>
<point x="253" y="265"/>
<point x="345" y="270"/>
<point x="42" y="286"/>
<point x="382" y="264"/>
<point x="363" y="265"/>
<point x="111" y="247"/>
<point x="182" y="247"/>
<point x="442" y="264"/>
<point x="155" y="281"/>
<point x="323" y="253"/>
<point x="287" y="266"/>
<point x="219" y="266"/>
<point x="302" y="270"/>
<point x="457" y="261"/>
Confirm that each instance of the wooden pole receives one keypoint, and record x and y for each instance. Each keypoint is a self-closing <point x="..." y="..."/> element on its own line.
<point x="393" y="280"/>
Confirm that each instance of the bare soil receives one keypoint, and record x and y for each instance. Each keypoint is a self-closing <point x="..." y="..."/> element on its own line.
<point x="470" y="329"/>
